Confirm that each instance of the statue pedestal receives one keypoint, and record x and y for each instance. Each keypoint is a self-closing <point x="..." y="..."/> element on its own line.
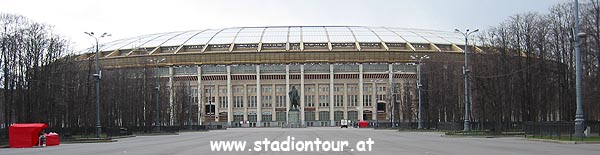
<point x="294" y="119"/>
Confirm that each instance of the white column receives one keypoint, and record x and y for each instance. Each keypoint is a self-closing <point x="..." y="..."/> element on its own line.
<point x="199" y="94"/>
<point x="391" y="89"/>
<point x="229" y="98"/>
<point x="171" y="94"/>
<point x="287" y="88"/>
<point x="245" y="102"/>
<point x="374" y="101"/>
<point x="302" y="94"/>
<point x="331" y="97"/>
<point x="258" y="98"/>
<point x="346" y="101"/>
<point x="360" y="92"/>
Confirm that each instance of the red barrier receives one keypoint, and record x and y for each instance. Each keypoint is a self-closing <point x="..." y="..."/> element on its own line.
<point x="363" y="124"/>
<point x="52" y="139"/>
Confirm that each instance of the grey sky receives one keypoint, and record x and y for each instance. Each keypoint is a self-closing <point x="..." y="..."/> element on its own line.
<point x="128" y="18"/>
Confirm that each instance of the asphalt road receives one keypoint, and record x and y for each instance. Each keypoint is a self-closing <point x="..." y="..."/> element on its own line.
<point x="385" y="142"/>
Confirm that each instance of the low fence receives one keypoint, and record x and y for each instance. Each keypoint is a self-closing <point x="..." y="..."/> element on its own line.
<point x="558" y="130"/>
<point x="415" y="125"/>
<point x="88" y="132"/>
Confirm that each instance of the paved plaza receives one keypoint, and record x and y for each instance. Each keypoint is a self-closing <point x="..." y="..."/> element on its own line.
<point x="385" y="142"/>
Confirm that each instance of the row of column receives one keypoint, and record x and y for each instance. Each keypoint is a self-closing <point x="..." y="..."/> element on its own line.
<point x="230" y="114"/>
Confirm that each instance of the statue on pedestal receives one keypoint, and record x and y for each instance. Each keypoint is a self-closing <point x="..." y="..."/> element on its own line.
<point x="294" y="99"/>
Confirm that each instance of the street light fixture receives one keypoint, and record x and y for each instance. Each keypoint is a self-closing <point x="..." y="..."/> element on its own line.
<point x="98" y="76"/>
<point x="156" y="61"/>
<point x="466" y="71"/>
<point x="419" y="85"/>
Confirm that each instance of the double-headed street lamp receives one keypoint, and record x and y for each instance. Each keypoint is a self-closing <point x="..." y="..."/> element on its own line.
<point x="98" y="76"/>
<point x="466" y="71"/>
<point x="419" y="85"/>
<point x="157" y="61"/>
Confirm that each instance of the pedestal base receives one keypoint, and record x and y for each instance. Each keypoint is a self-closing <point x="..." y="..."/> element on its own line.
<point x="294" y="120"/>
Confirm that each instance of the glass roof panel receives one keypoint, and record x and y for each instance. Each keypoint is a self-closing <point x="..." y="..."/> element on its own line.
<point x="433" y="38"/>
<point x="112" y="44"/>
<point x="333" y="29"/>
<point x="244" y="40"/>
<point x="221" y="40"/>
<point x="454" y="38"/>
<point x="250" y="34"/>
<point x="178" y="40"/>
<point x="364" y="33"/>
<point x="401" y="29"/>
<point x="315" y="39"/>
<point x="275" y="39"/>
<point x="158" y="41"/>
<point x="197" y="41"/>
<point x="142" y="40"/>
<point x="392" y="39"/>
<point x="313" y="29"/>
<point x="437" y="40"/>
<point x="120" y="45"/>
<point x="415" y="39"/>
<point x="313" y="33"/>
<point x="339" y="33"/>
<point x="207" y="33"/>
<point x="253" y="29"/>
<point x="276" y="29"/>
<point x="370" y="38"/>
<point x="458" y="41"/>
<point x="342" y="39"/>
<point x="359" y="29"/>
<point x="384" y="32"/>
<point x="201" y="38"/>
<point x="295" y="38"/>
<point x="129" y="43"/>
<point x="296" y="29"/>
<point x="231" y="30"/>
<point x="275" y="33"/>
<point x="226" y="34"/>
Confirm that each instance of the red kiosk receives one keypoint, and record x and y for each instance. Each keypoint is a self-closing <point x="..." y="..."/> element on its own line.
<point x="24" y="135"/>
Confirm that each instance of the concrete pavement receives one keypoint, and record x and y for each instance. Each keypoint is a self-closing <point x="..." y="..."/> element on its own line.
<point x="385" y="142"/>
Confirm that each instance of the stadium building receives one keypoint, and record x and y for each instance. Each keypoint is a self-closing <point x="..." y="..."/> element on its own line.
<point x="241" y="76"/>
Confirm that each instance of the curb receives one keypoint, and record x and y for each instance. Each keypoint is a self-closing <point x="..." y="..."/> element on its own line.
<point x="89" y="141"/>
<point x="564" y="142"/>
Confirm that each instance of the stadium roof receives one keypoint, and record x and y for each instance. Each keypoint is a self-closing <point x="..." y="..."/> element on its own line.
<point x="280" y="44"/>
<point x="287" y="34"/>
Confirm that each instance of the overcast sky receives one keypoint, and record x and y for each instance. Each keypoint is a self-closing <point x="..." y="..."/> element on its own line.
<point x="129" y="18"/>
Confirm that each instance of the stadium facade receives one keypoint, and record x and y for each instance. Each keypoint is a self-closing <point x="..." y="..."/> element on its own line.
<point x="241" y="76"/>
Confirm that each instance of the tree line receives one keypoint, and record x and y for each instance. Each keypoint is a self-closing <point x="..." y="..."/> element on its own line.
<point x="526" y="72"/>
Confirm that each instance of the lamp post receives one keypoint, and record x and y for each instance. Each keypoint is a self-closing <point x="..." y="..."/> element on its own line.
<point x="375" y="82"/>
<point x="466" y="71"/>
<point x="210" y="100"/>
<point x="392" y="100"/>
<point x="157" y="88"/>
<point x="419" y="85"/>
<point x="98" y="76"/>
<point x="392" y="97"/>
<point x="210" y="103"/>
<point x="579" y="119"/>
